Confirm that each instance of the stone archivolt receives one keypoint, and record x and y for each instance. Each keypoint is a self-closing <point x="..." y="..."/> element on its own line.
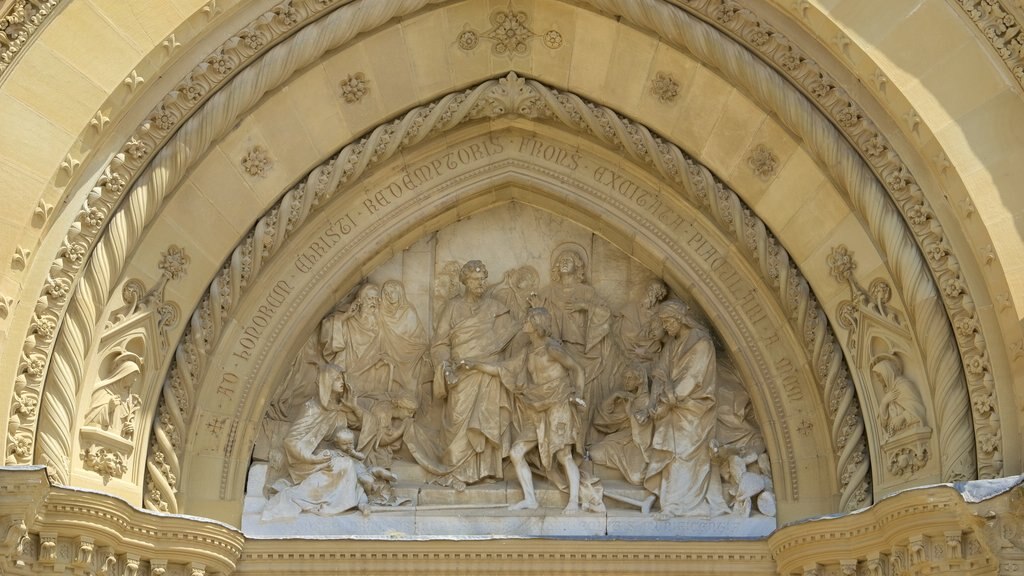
<point x="900" y="183"/>
<point x="977" y="372"/>
<point x="491" y="99"/>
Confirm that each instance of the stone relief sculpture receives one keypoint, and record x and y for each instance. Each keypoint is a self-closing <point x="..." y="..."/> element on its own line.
<point x="114" y="403"/>
<point x="638" y="331"/>
<point x="545" y="404"/>
<point x="901" y="407"/>
<point x="324" y="474"/>
<point x="684" y="416"/>
<point x="581" y="320"/>
<point x="498" y="386"/>
<point x="474" y="436"/>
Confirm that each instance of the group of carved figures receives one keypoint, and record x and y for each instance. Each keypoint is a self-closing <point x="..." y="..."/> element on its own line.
<point x="550" y="379"/>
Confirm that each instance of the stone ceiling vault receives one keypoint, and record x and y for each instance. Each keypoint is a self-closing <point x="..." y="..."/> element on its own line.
<point x="242" y="102"/>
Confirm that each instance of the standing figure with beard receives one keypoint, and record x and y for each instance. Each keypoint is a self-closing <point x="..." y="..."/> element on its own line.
<point x="474" y="435"/>
<point x="351" y="340"/>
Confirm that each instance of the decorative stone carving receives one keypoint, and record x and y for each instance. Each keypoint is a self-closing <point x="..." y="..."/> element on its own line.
<point x="516" y="95"/>
<point x="506" y="391"/>
<point x="866" y="196"/>
<point x="996" y="442"/>
<point x="257" y="161"/>
<point x="763" y="162"/>
<point x="105" y="462"/>
<point x="354" y="87"/>
<point x="317" y="478"/>
<point x="508" y="33"/>
<point x="18" y="24"/>
<point x="875" y="334"/>
<point x="115" y="403"/>
<point x="1003" y="31"/>
<point x="665" y="87"/>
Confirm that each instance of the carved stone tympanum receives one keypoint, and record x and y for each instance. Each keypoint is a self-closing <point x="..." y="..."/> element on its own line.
<point x="455" y="394"/>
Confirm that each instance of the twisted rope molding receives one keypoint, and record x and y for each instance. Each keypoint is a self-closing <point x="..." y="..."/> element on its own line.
<point x="928" y="311"/>
<point x="511" y="95"/>
<point x="206" y="76"/>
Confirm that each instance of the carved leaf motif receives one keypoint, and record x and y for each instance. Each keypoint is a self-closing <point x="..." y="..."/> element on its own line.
<point x="20" y="258"/>
<point x="42" y="213"/>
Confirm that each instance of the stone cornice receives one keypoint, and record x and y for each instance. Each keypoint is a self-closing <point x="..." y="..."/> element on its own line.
<point x="86" y="528"/>
<point x="521" y="556"/>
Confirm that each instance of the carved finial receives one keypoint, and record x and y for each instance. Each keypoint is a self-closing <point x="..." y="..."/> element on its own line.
<point x="20" y="258"/>
<point x="170" y="44"/>
<point x="880" y="79"/>
<point x="5" y="306"/>
<point x="42" y="213"/>
<point x="913" y="121"/>
<point x="69" y="165"/>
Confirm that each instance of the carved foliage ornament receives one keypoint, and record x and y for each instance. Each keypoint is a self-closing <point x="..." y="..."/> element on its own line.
<point x="763" y="162"/>
<point x="354" y="87"/>
<point x="665" y="87"/>
<point x="257" y="162"/>
<point x="875" y="333"/>
<point x="509" y="34"/>
<point x="509" y="95"/>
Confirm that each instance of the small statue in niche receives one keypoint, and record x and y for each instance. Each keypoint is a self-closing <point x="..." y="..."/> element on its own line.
<point x="545" y="407"/>
<point x="684" y="415"/>
<point x="901" y="407"/>
<point x="323" y="473"/>
<point x="114" y="405"/>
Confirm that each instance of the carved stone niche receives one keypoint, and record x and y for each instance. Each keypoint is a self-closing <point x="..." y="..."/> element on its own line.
<point x="134" y="335"/>
<point x="441" y="396"/>
<point x="880" y="345"/>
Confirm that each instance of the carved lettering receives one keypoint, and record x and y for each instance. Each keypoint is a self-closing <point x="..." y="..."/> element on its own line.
<point x="648" y="200"/>
<point x="253" y="331"/>
<point x="550" y="152"/>
<point x="789" y="380"/>
<point x="329" y="238"/>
